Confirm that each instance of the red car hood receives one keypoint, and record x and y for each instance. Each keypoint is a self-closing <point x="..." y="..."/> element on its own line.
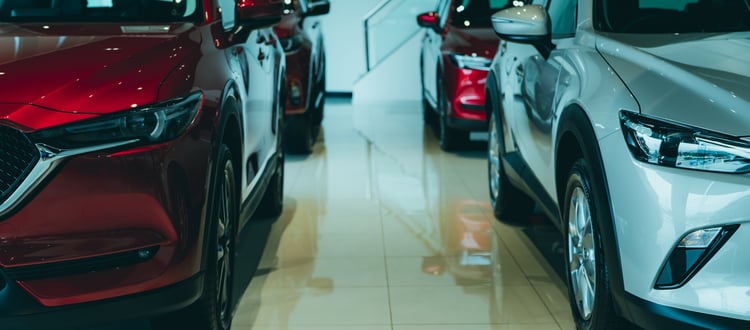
<point x="87" y="69"/>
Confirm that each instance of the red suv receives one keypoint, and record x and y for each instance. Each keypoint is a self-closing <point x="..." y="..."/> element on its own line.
<point x="301" y="37"/>
<point x="136" y="140"/>
<point x="456" y="54"/>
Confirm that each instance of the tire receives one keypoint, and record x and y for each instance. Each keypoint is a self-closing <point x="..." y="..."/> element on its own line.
<point x="320" y="109"/>
<point x="429" y="117"/>
<point x="273" y="199"/>
<point x="213" y="310"/>
<point x="589" y="291"/>
<point x="451" y="139"/>
<point x="509" y="204"/>
<point x="300" y="134"/>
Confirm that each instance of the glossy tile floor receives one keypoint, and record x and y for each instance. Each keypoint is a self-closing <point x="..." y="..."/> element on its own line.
<point x="382" y="230"/>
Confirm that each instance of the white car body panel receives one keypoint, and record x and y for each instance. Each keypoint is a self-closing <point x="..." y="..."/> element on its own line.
<point x="701" y="80"/>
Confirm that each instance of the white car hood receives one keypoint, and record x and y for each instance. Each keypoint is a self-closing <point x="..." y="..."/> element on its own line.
<point x="697" y="79"/>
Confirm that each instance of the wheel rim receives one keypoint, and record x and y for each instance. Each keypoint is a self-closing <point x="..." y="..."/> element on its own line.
<point x="581" y="253"/>
<point x="494" y="159"/>
<point x="224" y="240"/>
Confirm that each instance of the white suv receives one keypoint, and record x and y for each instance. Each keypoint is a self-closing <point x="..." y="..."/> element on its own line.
<point x="628" y="123"/>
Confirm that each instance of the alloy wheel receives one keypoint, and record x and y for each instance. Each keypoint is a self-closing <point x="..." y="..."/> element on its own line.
<point x="494" y="159"/>
<point x="581" y="253"/>
<point x="224" y="247"/>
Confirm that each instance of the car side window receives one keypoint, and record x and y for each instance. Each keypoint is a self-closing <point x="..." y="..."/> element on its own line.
<point x="443" y="8"/>
<point x="227" y="13"/>
<point x="562" y="13"/>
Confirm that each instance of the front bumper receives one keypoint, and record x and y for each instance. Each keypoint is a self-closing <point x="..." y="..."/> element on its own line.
<point x="653" y="207"/>
<point x="108" y="224"/>
<point x="18" y="311"/>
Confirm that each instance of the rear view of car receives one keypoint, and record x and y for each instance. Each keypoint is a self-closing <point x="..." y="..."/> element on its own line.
<point x="127" y="165"/>
<point x="456" y="53"/>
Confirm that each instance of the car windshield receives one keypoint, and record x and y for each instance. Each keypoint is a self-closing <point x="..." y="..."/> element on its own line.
<point x="99" y="10"/>
<point x="477" y="13"/>
<point x="672" y="16"/>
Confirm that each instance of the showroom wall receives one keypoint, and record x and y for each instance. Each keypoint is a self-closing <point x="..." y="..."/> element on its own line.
<point x="344" y="33"/>
<point x="343" y="29"/>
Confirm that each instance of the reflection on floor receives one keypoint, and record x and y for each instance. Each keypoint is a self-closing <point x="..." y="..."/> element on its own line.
<point x="381" y="230"/>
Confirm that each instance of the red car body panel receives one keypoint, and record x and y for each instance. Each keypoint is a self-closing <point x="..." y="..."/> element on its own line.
<point x="149" y="199"/>
<point x="464" y="88"/>
<point x="102" y="74"/>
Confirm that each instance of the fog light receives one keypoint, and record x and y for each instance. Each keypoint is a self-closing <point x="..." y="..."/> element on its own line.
<point x="699" y="239"/>
<point x="692" y="252"/>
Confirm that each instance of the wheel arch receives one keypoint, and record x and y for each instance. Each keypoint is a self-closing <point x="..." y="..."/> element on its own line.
<point x="576" y="139"/>
<point x="228" y="131"/>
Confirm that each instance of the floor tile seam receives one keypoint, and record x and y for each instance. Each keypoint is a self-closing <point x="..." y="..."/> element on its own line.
<point x="475" y="324"/>
<point x="385" y="260"/>
<point x="536" y="254"/>
<point x="306" y="324"/>
<point x="346" y="286"/>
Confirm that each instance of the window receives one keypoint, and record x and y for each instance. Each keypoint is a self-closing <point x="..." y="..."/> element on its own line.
<point x="562" y="13"/>
<point x="672" y="16"/>
<point x="101" y="10"/>
<point x="476" y="13"/>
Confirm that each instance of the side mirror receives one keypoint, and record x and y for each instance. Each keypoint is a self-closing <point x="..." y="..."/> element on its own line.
<point x="258" y="13"/>
<point x="526" y="24"/>
<point x="429" y="20"/>
<point x="318" y="7"/>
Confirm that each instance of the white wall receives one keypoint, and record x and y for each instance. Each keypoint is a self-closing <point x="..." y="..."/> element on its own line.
<point x="344" y="35"/>
<point x="395" y="79"/>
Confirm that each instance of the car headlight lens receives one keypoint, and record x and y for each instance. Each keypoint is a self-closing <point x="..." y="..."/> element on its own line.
<point x="154" y="123"/>
<point x="292" y="43"/>
<point x="472" y="62"/>
<point x="659" y="142"/>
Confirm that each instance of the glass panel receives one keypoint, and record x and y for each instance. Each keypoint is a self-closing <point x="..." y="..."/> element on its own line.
<point x="672" y="16"/>
<point x="99" y="10"/>
<point x="391" y="26"/>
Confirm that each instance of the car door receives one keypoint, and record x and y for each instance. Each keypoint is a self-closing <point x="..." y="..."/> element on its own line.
<point x="540" y="83"/>
<point x="248" y="60"/>
<point x="431" y="44"/>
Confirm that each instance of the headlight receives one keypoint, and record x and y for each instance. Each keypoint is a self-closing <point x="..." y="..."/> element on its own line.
<point x="659" y="142"/>
<point x="154" y="123"/>
<point x="292" y="43"/>
<point x="472" y="62"/>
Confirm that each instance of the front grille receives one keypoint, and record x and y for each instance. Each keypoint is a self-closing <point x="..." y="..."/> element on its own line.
<point x="17" y="157"/>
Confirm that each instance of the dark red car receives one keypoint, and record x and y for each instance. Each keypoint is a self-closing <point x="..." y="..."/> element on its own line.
<point x="302" y="39"/>
<point x="456" y="54"/>
<point x="137" y="138"/>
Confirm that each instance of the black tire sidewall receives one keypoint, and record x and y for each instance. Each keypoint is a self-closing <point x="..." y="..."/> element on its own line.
<point x="603" y="315"/>
<point x="224" y="161"/>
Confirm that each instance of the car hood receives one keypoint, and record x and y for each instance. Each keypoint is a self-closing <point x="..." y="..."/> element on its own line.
<point x="698" y="79"/>
<point x="482" y="41"/>
<point x="92" y="69"/>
